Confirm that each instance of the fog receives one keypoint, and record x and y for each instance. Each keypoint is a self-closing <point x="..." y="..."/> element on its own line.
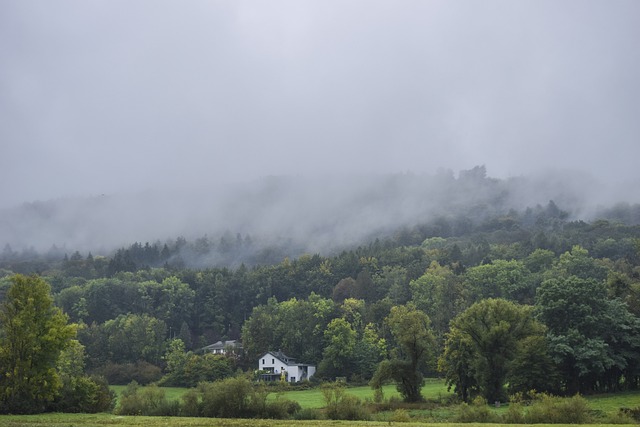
<point x="174" y="115"/>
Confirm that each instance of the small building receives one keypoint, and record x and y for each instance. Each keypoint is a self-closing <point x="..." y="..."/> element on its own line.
<point x="280" y="367"/>
<point x="223" y="347"/>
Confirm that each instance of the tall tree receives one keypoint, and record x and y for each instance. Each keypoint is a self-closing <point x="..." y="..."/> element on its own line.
<point x="484" y="341"/>
<point x="34" y="332"/>
<point x="411" y="330"/>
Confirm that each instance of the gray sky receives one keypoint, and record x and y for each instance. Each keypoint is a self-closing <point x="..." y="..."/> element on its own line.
<point x="110" y="96"/>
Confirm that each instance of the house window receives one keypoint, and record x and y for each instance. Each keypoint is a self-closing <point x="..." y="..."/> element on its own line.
<point x="263" y="361"/>
<point x="273" y="361"/>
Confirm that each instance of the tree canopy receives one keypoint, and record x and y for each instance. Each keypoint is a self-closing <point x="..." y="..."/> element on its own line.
<point x="34" y="333"/>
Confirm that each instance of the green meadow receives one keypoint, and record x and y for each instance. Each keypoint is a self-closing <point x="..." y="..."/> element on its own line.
<point x="434" y="391"/>
<point x="101" y="420"/>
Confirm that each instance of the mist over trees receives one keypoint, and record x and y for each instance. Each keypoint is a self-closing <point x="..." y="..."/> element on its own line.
<point x="263" y="221"/>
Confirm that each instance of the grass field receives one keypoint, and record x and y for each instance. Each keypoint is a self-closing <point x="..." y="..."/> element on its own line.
<point x="313" y="398"/>
<point x="101" y="420"/>
<point x="433" y="389"/>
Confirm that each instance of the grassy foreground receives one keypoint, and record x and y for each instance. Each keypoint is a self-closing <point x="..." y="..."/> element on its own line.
<point x="84" y="420"/>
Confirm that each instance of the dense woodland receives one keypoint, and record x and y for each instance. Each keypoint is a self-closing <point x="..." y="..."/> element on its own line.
<point x="530" y="298"/>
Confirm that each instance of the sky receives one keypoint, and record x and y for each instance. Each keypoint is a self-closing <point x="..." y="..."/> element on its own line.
<point x="110" y="96"/>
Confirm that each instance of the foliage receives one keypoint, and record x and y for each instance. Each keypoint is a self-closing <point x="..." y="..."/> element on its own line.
<point x="411" y="331"/>
<point x="34" y="332"/>
<point x="148" y="401"/>
<point x="124" y="373"/>
<point x="340" y="405"/>
<point x="83" y="394"/>
<point x="476" y="412"/>
<point x="485" y="345"/>
<point x="187" y="369"/>
<point x="237" y="397"/>
<point x="547" y="409"/>
<point x="593" y="340"/>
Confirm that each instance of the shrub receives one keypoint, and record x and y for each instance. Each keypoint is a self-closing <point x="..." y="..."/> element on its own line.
<point x="308" y="414"/>
<point x="556" y="410"/>
<point x="84" y="394"/>
<point x="619" y="417"/>
<point x="149" y="401"/>
<point x="238" y="398"/>
<point x="280" y="409"/>
<point x="634" y="413"/>
<point x="400" y="416"/>
<point x="342" y="406"/>
<point x="141" y="372"/>
<point x="191" y="406"/>
<point x="228" y="398"/>
<point x="514" y="414"/>
<point x="476" y="412"/>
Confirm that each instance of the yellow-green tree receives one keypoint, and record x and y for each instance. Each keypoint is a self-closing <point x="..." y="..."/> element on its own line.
<point x="33" y="334"/>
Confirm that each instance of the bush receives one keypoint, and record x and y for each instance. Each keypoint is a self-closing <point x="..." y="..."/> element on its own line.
<point x="84" y="395"/>
<point x="228" y="398"/>
<point x="514" y="414"/>
<point x="619" y="417"/>
<point x="634" y="413"/>
<point x="280" y="409"/>
<point x="238" y="398"/>
<point x="308" y="414"/>
<point x="141" y="372"/>
<point x="342" y="406"/>
<point x="149" y="401"/>
<point x="400" y="416"/>
<point x="556" y="410"/>
<point x="191" y="406"/>
<point x="477" y="412"/>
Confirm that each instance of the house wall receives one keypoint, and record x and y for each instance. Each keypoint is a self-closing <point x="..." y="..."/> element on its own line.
<point x="295" y="373"/>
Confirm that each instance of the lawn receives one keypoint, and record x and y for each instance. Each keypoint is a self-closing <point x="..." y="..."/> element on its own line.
<point x="433" y="389"/>
<point x="313" y="398"/>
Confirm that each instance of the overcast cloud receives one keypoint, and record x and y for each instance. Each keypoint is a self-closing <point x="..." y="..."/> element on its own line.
<point x="111" y="96"/>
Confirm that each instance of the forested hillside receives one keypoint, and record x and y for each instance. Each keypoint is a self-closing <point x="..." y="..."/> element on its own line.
<point x="145" y="310"/>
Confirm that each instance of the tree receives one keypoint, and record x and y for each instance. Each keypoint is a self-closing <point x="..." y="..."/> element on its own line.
<point x="339" y="350"/>
<point x="483" y="342"/>
<point x="411" y="331"/>
<point x="133" y="338"/>
<point x="440" y="294"/>
<point x="34" y="332"/>
<point x="595" y="341"/>
<point x="501" y="279"/>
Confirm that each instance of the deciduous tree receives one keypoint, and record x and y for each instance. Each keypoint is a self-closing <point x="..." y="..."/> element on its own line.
<point x="34" y="332"/>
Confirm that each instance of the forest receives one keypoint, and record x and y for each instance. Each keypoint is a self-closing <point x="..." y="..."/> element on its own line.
<point x="494" y="299"/>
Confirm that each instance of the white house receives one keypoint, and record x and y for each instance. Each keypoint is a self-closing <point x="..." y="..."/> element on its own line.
<point x="279" y="366"/>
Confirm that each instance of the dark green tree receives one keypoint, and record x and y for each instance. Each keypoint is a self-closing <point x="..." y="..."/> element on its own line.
<point x="595" y="341"/>
<point x="483" y="342"/>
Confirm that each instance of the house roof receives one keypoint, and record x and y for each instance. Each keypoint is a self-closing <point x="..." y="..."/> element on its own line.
<point x="289" y="361"/>
<point x="220" y="345"/>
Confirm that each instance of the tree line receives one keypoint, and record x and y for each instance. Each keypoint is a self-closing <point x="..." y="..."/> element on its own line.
<point x="522" y="301"/>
